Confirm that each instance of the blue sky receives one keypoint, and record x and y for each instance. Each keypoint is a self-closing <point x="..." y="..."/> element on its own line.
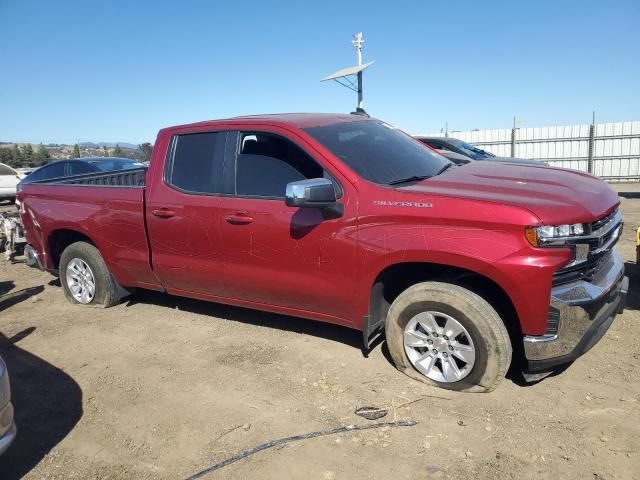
<point x="120" y="70"/>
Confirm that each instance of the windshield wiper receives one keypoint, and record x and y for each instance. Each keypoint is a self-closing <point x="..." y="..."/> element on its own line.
<point x="413" y="178"/>
<point x="444" y="168"/>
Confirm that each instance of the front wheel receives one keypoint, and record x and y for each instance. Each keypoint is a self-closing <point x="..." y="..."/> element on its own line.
<point x="85" y="277"/>
<point x="448" y="336"/>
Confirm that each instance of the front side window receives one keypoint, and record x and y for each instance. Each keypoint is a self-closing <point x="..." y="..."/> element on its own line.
<point x="196" y="162"/>
<point x="378" y="152"/>
<point x="266" y="163"/>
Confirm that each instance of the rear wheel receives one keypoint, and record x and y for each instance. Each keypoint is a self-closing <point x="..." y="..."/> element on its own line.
<point x="448" y="336"/>
<point x="85" y="278"/>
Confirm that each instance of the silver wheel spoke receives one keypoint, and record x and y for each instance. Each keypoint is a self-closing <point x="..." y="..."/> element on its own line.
<point x="80" y="280"/>
<point x="413" y="338"/>
<point x="426" y="362"/>
<point x="467" y="356"/>
<point x="428" y="322"/>
<point x="450" y="370"/>
<point x="452" y="328"/>
<point x="439" y="354"/>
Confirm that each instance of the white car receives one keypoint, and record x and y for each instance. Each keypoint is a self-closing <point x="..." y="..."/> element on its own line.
<point x="9" y="178"/>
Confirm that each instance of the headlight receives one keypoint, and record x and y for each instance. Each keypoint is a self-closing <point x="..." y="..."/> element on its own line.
<point x="553" y="235"/>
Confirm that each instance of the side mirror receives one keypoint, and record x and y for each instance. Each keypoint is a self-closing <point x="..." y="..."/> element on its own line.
<point x="313" y="193"/>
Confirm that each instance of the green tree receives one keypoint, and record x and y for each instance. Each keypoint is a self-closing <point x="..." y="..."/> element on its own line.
<point x="41" y="156"/>
<point x="5" y="156"/>
<point x="76" y="151"/>
<point x="145" y="151"/>
<point x="117" y="152"/>
<point x="105" y="152"/>
<point x="27" y="155"/>
<point x="16" y="156"/>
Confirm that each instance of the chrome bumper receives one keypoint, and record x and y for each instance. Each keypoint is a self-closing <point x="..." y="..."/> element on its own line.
<point x="584" y="310"/>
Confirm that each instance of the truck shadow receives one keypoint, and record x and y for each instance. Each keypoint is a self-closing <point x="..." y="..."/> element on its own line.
<point x="6" y="287"/>
<point x="9" y="299"/>
<point x="329" y="331"/>
<point x="47" y="403"/>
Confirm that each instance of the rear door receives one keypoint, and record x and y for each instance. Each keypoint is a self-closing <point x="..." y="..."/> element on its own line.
<point x="183" y="214"/>
<point x="299" y="258"/>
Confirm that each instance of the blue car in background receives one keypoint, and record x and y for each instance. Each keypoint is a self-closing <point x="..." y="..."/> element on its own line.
<point x="79" y="166"/>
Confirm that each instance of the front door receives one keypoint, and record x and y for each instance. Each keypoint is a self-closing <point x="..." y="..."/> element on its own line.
<point x="300" y="258"/>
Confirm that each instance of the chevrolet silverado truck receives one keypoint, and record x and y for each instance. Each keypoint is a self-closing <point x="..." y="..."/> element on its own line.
<point x="348" y="220"/>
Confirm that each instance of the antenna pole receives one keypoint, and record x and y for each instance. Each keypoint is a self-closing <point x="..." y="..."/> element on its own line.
<point x="357" y="42"/>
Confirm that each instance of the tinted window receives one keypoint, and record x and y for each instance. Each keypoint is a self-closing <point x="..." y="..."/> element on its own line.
<point x="266" y="164"/>
<point x="78" y="168"/>
<point x="197" y="159"/>
<point x="437" y="145"/>
<point x="109" y="165"/>
<point x="52" y="170"/>
<point x="471" y="150"/>
<point x="4" y="170"/>
<point x="378" y="152"/>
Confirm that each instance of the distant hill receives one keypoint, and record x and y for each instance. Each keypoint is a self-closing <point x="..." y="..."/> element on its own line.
<point x="132" y="146"/>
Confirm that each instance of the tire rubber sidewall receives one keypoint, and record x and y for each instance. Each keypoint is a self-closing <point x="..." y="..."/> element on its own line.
<point x="105" y="293"/>
<point x="488" y="333"/>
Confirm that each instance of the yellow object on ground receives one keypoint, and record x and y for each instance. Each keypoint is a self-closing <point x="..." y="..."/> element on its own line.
<point x="638" y="245"/>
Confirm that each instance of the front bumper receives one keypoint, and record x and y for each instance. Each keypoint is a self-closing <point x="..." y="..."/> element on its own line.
<point x="584" y="311"/>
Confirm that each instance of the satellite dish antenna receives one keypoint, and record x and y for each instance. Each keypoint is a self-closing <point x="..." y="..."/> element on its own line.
<point x="342" y="76"/>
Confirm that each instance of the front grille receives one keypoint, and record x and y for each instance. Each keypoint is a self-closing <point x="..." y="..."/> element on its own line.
<point x="603" y="221"/>
<point x="601" y="242"/>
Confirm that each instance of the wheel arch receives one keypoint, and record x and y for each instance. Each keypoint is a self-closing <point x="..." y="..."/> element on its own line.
<point x="396" y="278"/>
<point x="61" y="238"/>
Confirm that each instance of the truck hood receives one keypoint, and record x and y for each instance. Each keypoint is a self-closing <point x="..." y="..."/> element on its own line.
<point x="555" y="195"/>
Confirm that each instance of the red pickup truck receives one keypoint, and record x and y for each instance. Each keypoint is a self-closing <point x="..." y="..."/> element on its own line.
<point x="345" y="219"/>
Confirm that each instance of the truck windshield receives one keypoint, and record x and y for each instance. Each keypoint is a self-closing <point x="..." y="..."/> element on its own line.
<point x="379" y="152"/>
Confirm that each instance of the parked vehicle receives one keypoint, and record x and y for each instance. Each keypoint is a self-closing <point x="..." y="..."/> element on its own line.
<point x="107" y="164"/>
<point x="347" y="220"/>
<point x="79" y="166"/>
<point x="9" y="178"/>
<point x="461" y="152"/>
<point x="7" y="426"/>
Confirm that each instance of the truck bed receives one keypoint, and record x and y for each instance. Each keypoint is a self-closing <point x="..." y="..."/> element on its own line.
<point x="134" y="177"/>
<point x="106" y="209"/>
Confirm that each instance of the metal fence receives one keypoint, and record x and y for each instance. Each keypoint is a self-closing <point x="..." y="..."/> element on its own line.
<point x="609" y="150"/>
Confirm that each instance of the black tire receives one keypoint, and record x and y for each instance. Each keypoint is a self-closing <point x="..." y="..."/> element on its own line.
<point x="106" y="291"/>
<point x="490" y="338"/>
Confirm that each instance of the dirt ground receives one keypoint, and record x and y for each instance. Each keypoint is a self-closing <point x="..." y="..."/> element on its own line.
<point x="162" y="387"/>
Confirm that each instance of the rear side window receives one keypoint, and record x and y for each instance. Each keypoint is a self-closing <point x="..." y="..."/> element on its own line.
<point x="197" y="162"/>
